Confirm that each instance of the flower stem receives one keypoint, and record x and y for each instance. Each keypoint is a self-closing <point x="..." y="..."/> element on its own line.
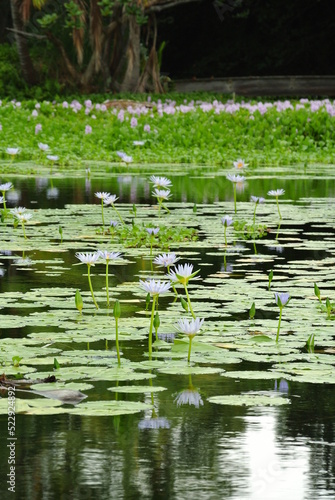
<point x="235" y="197"/>
<point x="189" y="302"/>
<point x="102" y="213"/>
<point x="151" y="324"/>
<point x="107" y="291"/>
<point x="24" y="232"/>
<point x="255" y="249"/>
<point x="280" y="217"/>
<point x="277" y="337"/>
<point x="166" y="208"/>
<point x="151" y="240"/>
<point x="225" y="235"/>
<point x="118" y="214"/>
<point x="90" y="284"/>
<point x="255" y="213"/>
<point x="117" y="340"/>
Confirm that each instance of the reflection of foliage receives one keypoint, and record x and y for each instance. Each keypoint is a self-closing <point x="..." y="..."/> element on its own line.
<point x="250" y="231"/>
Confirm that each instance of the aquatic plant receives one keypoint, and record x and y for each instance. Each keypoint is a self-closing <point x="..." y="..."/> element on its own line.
<point x="154" y="288"/>
<point x="257" y="200"/>
<point x="102" y="196"/>
<point x="110" y="200"/>
<point x="226" y="221"/>
<point x="235" y="179"/>
<point x="90" y="259"/>
<point x="182" y="274"/>
<point x="108" y="256"/>
<point x="276" y="193"/>
<point x="3" y="189"/>
<point x="161" y="195"/>
<point x="282" y="299"/>
<point x="117" y="315"/>
<point x="20" y="215"/>
<point x="152" y="231"/>
<point x="189" y="328"/>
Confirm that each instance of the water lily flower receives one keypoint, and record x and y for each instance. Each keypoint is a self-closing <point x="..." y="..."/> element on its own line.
<point x="160" y="182"/>
<point x="162" y="194"/>
<point x="152" y="230"/>
<point x="276" y="193"/>
<point x="182" y="274"/>
<point x="90" y="259"/>
<point x="155" y="287"/>
<point x="257" y="200"/>
<point x="166" y="260"/>
<point x="43" y="147"/>
<point x="53" y="158"/>
<point x="235" y="179"/>
<point x="110" y="199"/>
<point x="17" y="211"/>
<point x="240" y="164"/>
<point x="22" y="216"/>
<point x="52" y="193"/>
<point x="282" y="299"/>
<point x="138" y="143"/>
<point x="226" y="221"/>
<point x="102" y="195"/>
<point x="6" y="187"/>
<point x="13" y="151"/>
<point x="108" y="256"/>
<point x="124" y="157"/>
<point x="189" y="328"/>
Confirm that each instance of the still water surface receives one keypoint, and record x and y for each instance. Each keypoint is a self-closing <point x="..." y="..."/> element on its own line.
<point x="186" y="448"/>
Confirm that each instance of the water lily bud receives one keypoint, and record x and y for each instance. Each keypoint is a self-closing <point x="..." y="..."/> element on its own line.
<point x="79" y="301"/>
<point x="56" y="364"/>
<point x="147" y="301"/>
<point x="252" y="311"/>
<point x="270" y="278"/>
<point x="317" y="291"/>
<point x="156" y="321"/>
<point x="184" y="304"/>
<point x="117" y="310"/>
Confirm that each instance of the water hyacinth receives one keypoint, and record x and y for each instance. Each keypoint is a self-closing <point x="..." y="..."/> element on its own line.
<point x="226" y="221"/>
<point x="90" y="259"/>
<point x="108" y="256"/>
<point x="189" y="328"/>
<point x="88" y="129"/>
<point x="154" y="288"/>
<point x="282" y="299"/>
<point x="276" y="193"/>
<point x="235" y="179"/>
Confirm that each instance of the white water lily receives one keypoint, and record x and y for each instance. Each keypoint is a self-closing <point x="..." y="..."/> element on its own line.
<point x="88" y="258"/>
<point x="155" y="287"/>
<point x="43" y="147"/>
<point x="23" y="217"/>
<point x="53" y="157"/>
<point x="124" y="157"/>
<point x="257" y="199"/>
<point x="106" y="255"/>
<point x="152" y="230"/>
<point x="277" y="192"/>
<point x="6" y="187"/>
<point x="18" y="211"/>
<point x="227" y="221"/>
<point x="113" y="223"/>
<point x="191" y="327"/>
<point x="13" y="151"/>
<point x="182" y="274"/>
<point x="110" y="199"/>
<point x="240" y="164"/>
<point x="160" y="182"/>
<point x="281" y="298"/>
<point x="235" y="178"/>
<point x="166" y="259"/>
<point x="102" y="195"/>
<point x="162" y="194"/>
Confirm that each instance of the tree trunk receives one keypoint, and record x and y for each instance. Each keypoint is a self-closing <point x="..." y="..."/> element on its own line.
<point x="127" y="55"/>
<point x="4" y="20"/>
<point x="27" y="68"/>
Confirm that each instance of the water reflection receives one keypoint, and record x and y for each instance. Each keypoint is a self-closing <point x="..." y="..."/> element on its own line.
<point x="189" y="396"/>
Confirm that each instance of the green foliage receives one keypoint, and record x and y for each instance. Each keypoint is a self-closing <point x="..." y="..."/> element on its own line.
<point x="249" y="231"/>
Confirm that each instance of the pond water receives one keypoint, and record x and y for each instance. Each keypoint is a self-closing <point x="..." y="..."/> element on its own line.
<point x="163" y="428"/>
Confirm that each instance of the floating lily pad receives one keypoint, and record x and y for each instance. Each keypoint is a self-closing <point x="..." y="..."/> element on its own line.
<point x="249" y="400"/>
<point x="137" y="389"/>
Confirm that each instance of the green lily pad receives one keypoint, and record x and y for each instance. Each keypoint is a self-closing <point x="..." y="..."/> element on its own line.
<point x="249" y="400"/>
